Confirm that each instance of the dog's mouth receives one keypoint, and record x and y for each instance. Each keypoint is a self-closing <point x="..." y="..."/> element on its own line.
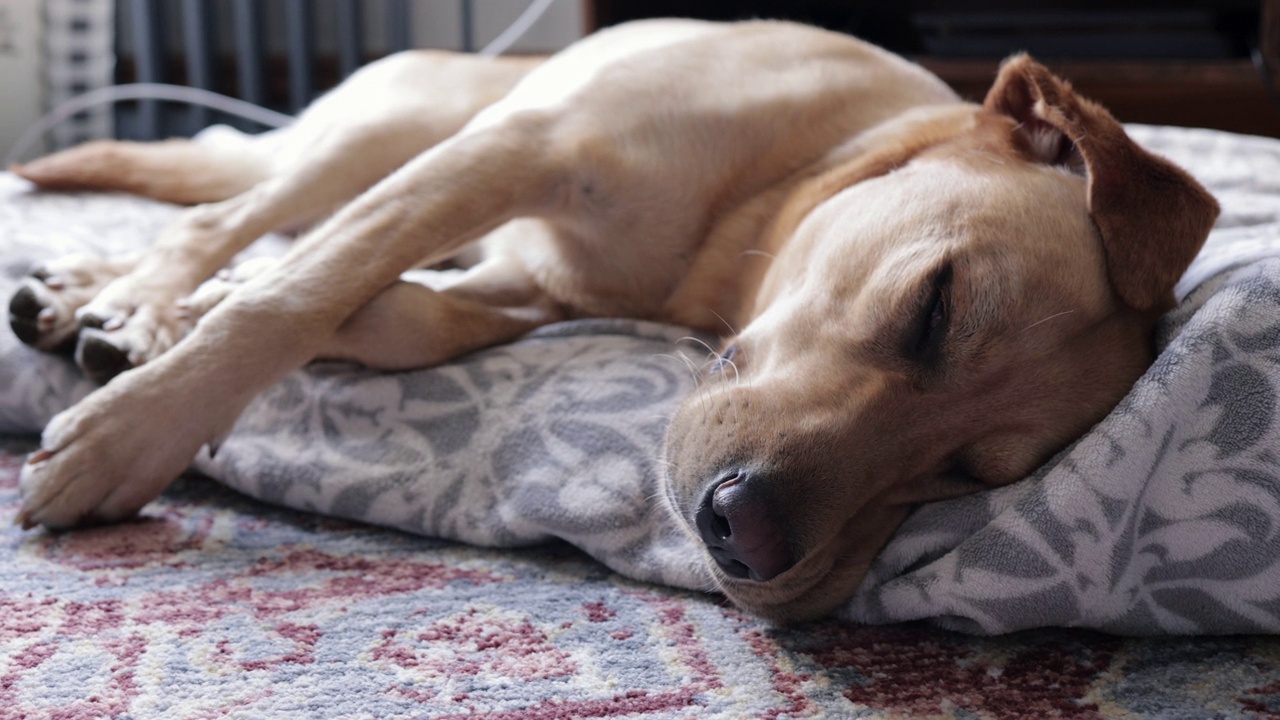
<point x="785" y="558"/>
<point x="749" y="557"/>
<point x="815" y="581"/>
<point x="777" y="578"/>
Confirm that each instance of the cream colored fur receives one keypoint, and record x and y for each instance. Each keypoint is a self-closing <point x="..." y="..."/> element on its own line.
<point x="805" y="194"/>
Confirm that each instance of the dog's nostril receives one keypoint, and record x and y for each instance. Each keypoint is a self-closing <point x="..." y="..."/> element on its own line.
<point x="720" y="525"/>
<point x="713" y="525"/>
<point x="740" y="529"/>
<point x="718" y="522"/>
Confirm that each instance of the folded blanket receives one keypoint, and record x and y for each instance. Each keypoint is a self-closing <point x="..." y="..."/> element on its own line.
<point x="1165" y="518"/>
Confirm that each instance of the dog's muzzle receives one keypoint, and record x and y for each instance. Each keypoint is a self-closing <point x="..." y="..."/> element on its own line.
<point x="741" y="530"/>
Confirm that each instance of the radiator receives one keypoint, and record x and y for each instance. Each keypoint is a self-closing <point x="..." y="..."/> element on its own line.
<point x="279" y="54"/>
<point x="275" y="53"/>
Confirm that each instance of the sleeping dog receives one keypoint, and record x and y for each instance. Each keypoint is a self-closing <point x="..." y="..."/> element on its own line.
<point x="919" y="297"/>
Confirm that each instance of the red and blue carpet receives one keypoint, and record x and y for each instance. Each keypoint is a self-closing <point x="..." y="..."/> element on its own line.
<point x="214" y="605"/>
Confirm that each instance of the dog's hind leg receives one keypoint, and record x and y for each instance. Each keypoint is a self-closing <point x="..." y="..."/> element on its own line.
<point x="413" y="324"/>
<point x="176" y="171"/>
<point x="409" y="325"/>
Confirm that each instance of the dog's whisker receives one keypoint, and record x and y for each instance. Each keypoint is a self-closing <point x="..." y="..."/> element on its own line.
<point x="686" y="362"/>
<point x="700" y="387"/>
<point x="701" y="342"/>
<point x="732" y="329"/>
<point x="718" y="358"/>
<point x="737" y="377"/>
<point x="713" y="357"/>
<point x="657" y="504"/>
<point x="761" y="253"/>
<point x="1045" y="320"/>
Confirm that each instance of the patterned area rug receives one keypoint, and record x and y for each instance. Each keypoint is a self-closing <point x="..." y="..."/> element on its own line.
<point x="214" y="605"/>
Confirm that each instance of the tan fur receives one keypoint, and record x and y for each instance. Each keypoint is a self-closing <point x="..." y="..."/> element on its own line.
<point x="174" y="171"/>
<point x="812" y="198"/>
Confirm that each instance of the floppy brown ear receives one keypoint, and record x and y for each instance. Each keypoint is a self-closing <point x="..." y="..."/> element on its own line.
<point x="1153" y="217"/>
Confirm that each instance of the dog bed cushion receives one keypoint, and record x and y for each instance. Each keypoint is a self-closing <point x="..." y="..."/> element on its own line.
<point x="1164" y="518"/>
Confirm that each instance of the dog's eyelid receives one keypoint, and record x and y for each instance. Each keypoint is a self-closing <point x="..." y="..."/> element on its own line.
<point x="932" y="316"/>
<point x="724" y="359"/>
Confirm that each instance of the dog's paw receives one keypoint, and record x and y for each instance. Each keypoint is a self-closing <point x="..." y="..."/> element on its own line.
<point x="42" y="312"/>
<point x="108" y="456"/>
<point x="216" y="289"/>
<point x="129" y="323"/>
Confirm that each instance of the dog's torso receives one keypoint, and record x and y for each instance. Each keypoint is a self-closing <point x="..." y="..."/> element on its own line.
<point x="710" y="127"/>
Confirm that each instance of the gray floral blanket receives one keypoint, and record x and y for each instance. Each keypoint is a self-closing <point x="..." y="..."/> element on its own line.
<point x="1165" y="518"/>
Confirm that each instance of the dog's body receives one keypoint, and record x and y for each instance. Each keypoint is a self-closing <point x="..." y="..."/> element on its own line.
<point x="932" y="296"/>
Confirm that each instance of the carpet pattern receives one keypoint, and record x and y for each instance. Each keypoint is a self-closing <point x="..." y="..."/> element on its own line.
<point x="214" y="605"/>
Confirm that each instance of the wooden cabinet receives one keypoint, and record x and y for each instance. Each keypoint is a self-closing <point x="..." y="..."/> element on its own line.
<point x="1200" y="64"/>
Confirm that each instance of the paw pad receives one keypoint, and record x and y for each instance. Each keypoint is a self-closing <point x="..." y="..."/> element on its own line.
<point x="99" y="359"/>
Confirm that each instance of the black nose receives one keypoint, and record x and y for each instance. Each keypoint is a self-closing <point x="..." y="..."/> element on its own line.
<point x="741" y="530"/>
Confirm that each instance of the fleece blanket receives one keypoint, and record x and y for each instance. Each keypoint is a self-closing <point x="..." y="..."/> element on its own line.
<point x="1165" y="518"/>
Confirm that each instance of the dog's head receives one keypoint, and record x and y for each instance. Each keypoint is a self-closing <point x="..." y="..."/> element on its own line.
<point x="953" y="304"/>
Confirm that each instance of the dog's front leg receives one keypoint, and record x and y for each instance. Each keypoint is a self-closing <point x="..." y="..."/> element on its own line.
<point x="108" y="456"/>
<point x="409" y="326"/>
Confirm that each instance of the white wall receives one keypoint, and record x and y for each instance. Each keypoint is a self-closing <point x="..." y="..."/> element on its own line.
<point x="19" y="68"/>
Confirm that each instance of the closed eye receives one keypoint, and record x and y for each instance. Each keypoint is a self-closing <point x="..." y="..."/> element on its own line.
<point x="933" y="319"/>
<point x="724" y="359"/>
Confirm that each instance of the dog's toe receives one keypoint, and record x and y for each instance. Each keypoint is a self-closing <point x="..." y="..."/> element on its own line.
<point x="90" y="320"/>
<point x="106" y="457"/>
<point x="61" y="490"/>
<point x="99" y="358"/>
<point x="24" y="313"/>
<point x="37" y="319"/>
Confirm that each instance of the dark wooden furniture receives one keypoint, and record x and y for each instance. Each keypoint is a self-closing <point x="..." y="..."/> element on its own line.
<point x="1201" y="64"/>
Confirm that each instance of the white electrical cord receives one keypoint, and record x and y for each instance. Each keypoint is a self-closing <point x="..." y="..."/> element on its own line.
<point x="141" y="91"/>
<point x="517" y="29"/>
<point x="222" y="103"/>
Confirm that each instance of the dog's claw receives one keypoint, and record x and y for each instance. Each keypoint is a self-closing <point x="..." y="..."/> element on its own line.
<point x="39" y="456"/>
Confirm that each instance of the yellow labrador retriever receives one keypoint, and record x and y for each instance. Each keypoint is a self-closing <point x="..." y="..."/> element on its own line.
<point x="922" y="297"/>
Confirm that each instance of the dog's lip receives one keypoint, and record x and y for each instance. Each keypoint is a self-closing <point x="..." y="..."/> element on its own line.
<point x="779" y="596"/>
